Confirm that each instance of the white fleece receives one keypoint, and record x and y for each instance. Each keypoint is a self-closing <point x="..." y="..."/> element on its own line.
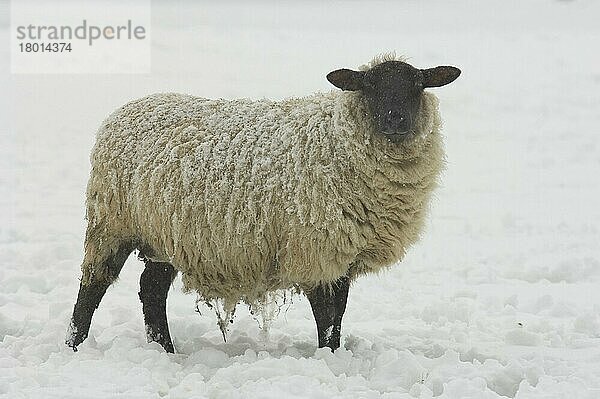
<point x="247" y="197"/>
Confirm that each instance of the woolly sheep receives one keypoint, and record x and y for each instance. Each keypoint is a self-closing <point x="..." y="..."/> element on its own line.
<point x="245" y="198"/>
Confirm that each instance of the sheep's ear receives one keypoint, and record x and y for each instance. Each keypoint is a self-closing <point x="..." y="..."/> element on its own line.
<point x="439" y="76"/>
<point x="346" y="79"/>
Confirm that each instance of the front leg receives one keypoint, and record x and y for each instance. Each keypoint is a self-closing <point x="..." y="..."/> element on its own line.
<point x="328" y="303"/>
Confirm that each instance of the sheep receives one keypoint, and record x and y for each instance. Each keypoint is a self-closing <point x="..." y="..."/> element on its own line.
<point x="245" y="197"/>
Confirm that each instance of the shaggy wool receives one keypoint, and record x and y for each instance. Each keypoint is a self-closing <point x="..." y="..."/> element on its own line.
<point x="247" y="197"/>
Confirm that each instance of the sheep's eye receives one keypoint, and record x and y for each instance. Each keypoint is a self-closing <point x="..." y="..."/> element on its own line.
<point x="369" y="84"/>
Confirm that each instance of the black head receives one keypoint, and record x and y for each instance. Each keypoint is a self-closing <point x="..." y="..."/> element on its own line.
<point x="393" y="92"/>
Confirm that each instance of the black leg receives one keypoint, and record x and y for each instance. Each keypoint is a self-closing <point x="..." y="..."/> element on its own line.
<point x="91" y="294"/>
<point x="154" y="288"/>
<point x="328" y="305"/>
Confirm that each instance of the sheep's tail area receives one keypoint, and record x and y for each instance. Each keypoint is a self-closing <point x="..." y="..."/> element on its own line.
<point x="106" y="234"/>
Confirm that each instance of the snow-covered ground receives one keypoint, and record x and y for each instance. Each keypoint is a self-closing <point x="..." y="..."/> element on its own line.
<point x="500" y="299"/>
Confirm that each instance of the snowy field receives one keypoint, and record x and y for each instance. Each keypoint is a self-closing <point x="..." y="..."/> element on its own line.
<point x="500" y="299"/>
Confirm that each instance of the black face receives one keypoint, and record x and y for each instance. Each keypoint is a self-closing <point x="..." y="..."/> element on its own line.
<point x="393" y="91"/>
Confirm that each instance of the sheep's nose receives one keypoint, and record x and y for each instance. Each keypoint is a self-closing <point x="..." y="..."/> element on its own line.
<point x="396" y="120"/>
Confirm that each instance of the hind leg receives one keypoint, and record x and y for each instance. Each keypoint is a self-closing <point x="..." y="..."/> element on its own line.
<point x="154" y="288"/>
<point x="91" y="293"/>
